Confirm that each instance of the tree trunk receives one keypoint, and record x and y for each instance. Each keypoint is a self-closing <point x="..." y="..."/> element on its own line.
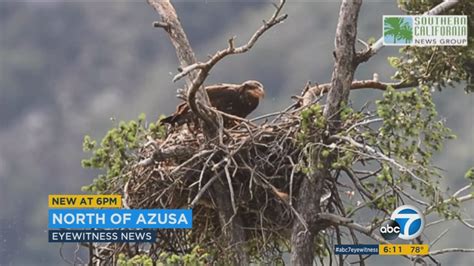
<point x="311" y="189"/>
<point x="308" y="205"/>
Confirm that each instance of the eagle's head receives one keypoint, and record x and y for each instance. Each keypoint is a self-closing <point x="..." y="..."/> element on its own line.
<point x="254" y="88"/>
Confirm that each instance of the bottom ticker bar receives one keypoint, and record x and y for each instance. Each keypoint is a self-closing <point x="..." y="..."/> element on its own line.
<point x="382" y="249"/>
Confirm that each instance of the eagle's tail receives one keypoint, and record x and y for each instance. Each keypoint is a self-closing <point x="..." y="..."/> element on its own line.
<point x="176" y="119"/>
<point x="168" y="120"/>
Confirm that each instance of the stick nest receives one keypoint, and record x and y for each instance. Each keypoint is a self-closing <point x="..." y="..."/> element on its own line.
<point x="253" y="173"/>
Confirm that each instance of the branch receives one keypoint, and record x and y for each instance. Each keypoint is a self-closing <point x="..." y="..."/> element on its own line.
<point x="462" y="189"/>
<point x="204" y="189"/>
<point x="450" y="200"/>
<point x="316" y="91"/>
<point x="447" y="250"/>
<point x="442" y="7"/>
<point x="206" y="66"/>
<point x="170" y="23"/>
<point x="381" y="156"/>
<point x="334" y="219"/>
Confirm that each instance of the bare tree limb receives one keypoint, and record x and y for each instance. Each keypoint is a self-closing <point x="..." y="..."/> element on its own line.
<point x="275" y="19"/>
<point x="199" y="71"/>
<point x="462" y="189"/>
<point x="201" y="191"/>
<point x="316" y="91"/>
<point x="171" y="24"/>
<point x="448" y="250"/>
<point x="450" y="200"/>
<point x="468" y="225"/>
<point x="381" y="156"/>
<point x="439" y="237"/>
<point x="334" y="219"/>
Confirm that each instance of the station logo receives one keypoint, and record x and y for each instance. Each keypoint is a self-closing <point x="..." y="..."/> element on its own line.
<point x="407" y="222"/>
<point x="425" y="30"/>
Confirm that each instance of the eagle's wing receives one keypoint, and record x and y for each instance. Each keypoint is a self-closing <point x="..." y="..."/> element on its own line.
<point x="225" y="97"/>
<point x="179" y="116"/>
<point x="228" y="98"/>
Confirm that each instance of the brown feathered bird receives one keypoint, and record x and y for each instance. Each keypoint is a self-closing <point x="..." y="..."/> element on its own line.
<point x="235" y="99"/>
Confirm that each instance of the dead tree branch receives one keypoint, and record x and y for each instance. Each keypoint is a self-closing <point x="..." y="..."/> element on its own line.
<point x="448" y="250"/>
<point x="171" y="24"/>
<point x="275" y="19"/>
<point x="382" y="156"/>
<point x="315" y="91"/>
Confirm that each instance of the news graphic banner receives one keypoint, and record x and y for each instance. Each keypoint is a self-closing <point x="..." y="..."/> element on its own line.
<point x="406" y="223"/>
<point x="382" y="249"/>
<point x="120" y="218"/>
<point x="84" y="201"/>
<point x="100" y="216"/>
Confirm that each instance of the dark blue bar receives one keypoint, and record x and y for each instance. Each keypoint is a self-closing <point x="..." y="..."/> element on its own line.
<point x="356" y="249"/>
<point x="75" y="236"/>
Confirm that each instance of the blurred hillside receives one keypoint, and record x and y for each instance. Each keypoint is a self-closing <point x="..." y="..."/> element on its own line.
<point x="67" y="68"/>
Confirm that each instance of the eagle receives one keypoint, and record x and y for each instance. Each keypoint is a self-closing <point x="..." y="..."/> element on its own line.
<point x="234" y="99"/>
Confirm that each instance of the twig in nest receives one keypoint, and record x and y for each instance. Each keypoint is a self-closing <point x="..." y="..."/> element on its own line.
<point x="204" y="189"/>
<point x="231" y="188"/>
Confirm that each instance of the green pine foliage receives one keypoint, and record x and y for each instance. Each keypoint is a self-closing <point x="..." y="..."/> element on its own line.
<point x="117" y="150"/>
<point x="409" y="133"/>
<point x="196" y="257"/>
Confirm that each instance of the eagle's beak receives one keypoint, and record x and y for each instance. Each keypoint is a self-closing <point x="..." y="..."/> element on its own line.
<point x="262" y="95"/>
<point x="255" y="88"/>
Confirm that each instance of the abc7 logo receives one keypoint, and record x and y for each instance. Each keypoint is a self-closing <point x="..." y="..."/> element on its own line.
<point x="407" y="222"/>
